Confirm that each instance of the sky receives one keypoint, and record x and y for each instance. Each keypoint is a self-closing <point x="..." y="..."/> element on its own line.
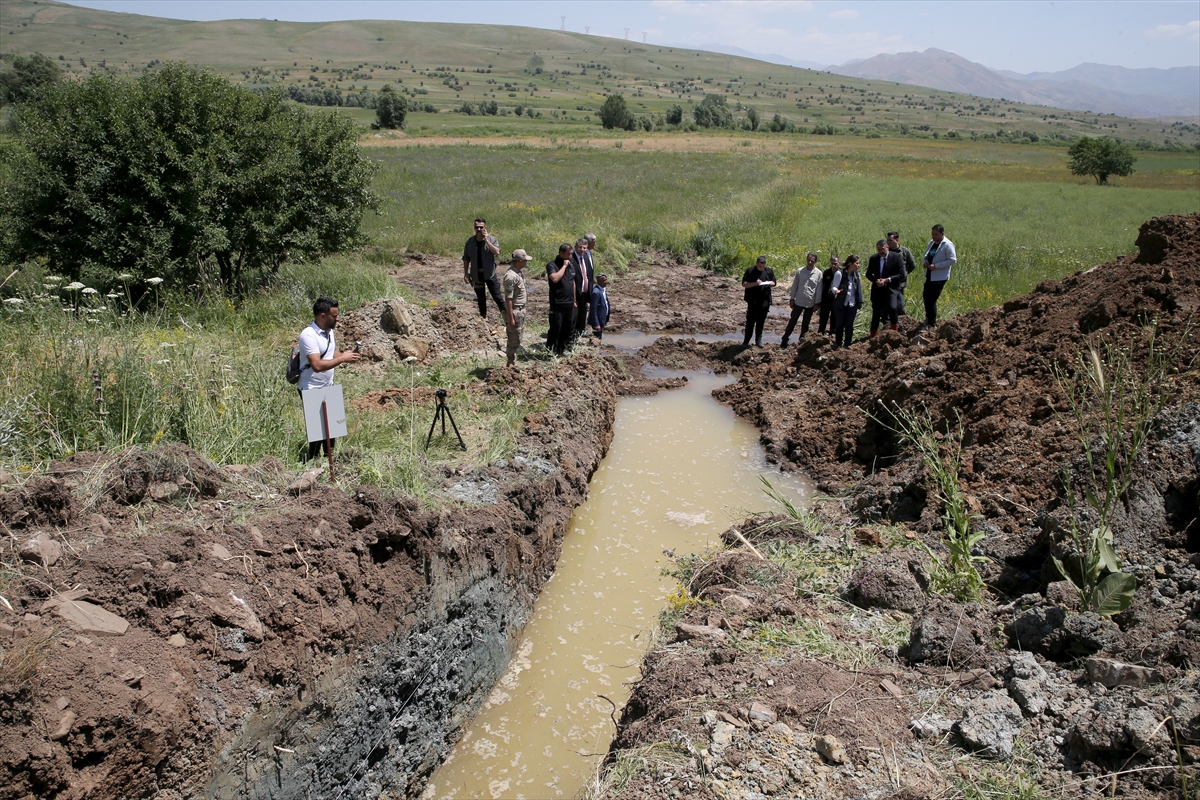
<point x="1040" y="36"/>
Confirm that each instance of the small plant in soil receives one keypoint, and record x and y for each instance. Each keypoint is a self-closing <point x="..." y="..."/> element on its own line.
<point x="1114" y="406"/>
<point x="942" y="456"/>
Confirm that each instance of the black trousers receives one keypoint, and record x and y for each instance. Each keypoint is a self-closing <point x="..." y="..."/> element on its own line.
<point x="562" y="322"/>
<point x="317" y="448"/>
<point x="482" y="289"/>
<point x="756" y="317"/>
<point x="883" y="311"/>
<point x="931" y="293"/>
<point x="824" y="319"/>
<point x="581" y="313"/>
<point x="843" y="325"/>
<point x="796" y="312"/>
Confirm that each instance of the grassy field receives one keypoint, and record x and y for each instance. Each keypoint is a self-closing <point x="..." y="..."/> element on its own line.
<point x="562" y="76"/>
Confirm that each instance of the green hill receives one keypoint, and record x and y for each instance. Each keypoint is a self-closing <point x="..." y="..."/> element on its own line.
<point x="564" y="76"/>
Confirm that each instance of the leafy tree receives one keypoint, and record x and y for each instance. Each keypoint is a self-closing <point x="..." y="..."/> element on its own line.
<point x="390" y="108"/>
<point x="713" y="112"/>
<point x="675" y="115"/>
<point x="1101" y="158"/>
<point x="25" y="77"/>
<point x="752" y="117"/>
<point x="616" y="114"/>
<point x="178" y="175"/>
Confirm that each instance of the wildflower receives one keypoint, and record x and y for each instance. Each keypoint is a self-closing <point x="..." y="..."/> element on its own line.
<point x="73" y="286"/>
<point x="90" y="290"/>
<point x="50" y="286"/>
<point x="163" y="361"/>
<point x="165" y="344"/>
<point x="112" y="295"/>
<point x="124" y="276"/>
<point x="154" y="281"/>
<point x="13" y="301"/>
<point x="53" y="279"/>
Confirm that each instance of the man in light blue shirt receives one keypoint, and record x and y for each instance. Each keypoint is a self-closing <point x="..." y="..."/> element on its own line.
<point x="939" y="258"/>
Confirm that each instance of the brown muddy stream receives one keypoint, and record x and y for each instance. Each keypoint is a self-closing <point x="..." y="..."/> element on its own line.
<point x="681" y="469"/>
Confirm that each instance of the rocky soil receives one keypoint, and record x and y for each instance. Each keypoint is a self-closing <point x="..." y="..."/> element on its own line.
<point x="855" y="679"/>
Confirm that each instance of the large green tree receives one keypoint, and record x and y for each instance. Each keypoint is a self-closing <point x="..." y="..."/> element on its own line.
<point x="390" y="108"/>
<point x="615" y="113"/>
<point x="1101" y="158"/>
<point x="713" y="112"/>
<point x="179" y="175"/>
<point x="25" y="76"/>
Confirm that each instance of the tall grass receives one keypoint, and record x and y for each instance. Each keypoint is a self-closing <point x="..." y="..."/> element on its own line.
<point x="210" y="374"/>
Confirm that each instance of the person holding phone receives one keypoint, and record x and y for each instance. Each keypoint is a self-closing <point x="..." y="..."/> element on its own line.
<point x="319" y="355"/>
<point x="940" y="256"/>
<point x="479" y="266"/>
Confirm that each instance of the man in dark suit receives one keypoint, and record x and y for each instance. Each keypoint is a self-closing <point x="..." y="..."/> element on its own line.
<point x="585" y="279"/>
<point x="886" y="275"/>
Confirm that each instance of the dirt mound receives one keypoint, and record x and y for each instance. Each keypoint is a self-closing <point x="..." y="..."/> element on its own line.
<point x="168" y="632"/>
<point x="394" y="329"/>
<point x="994" y="369"/>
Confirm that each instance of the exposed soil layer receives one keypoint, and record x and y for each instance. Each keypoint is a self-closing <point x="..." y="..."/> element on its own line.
<point x="1079" y="696"/>
<point x="182" y="630"/>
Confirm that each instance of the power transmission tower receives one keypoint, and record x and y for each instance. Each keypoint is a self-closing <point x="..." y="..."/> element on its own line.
<point x="627" y="33"/>
<point x="564" y="23"/>
<point x="587" y="28"/>
<point x="643" y="37"/>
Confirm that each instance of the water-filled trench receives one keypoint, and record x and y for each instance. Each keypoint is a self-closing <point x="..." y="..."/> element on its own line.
<point x="680" y="470"/>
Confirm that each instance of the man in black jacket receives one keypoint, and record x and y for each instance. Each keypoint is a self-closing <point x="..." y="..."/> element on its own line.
<point x="910" y="263"/>
<point x="886" y="275"/>
<point x="561" y="274"/>
<point x="757" y="282"/>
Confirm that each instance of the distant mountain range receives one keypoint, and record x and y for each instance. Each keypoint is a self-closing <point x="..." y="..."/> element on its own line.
<point x="1097" y="88"/>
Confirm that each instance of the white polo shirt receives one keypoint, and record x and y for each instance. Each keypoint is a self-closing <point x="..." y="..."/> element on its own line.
<point x="315" y="340"/>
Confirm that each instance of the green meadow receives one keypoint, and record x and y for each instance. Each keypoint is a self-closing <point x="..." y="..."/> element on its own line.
<point x="726" y="208"/>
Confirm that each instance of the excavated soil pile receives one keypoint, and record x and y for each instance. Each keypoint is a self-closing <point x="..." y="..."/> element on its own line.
<point x="182" y="631"/>
<point x="1084" y="703"/>
<point x="394" y="329"/>
<point x="994" y="368"/>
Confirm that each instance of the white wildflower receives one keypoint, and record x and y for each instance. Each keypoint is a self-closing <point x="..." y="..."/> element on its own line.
<point x="13" y="301"/>
<point x="154" y="281"/>
<point x="124" y="276"/>
<point x="73" y="286"/>
<point x="90" y="290"/>
<point x="165" y="344"/>
<point x="53" y="279"/>
<point x="112" y="296"/>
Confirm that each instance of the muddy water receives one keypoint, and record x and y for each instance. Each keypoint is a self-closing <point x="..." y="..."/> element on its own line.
<point x="680" y="470"/>
<point x="630" y="341"/>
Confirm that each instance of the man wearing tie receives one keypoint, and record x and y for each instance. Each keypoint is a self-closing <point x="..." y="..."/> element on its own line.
<point x="940" y="256"/>
<point x="584" y="280"/>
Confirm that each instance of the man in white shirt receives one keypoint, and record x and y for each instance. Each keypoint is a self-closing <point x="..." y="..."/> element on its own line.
<point x="940" y="256"/>
<point x="319" y="355"/>
<point x="803" y="296"/>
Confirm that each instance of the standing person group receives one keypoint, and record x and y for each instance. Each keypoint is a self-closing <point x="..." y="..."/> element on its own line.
<point x="578" y="298"/>
<point x="837" y="292"/>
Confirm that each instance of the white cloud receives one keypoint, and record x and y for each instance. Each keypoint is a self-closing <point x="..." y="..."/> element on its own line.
<point x="1190" y="31"/>
<point x="845" y="13"/>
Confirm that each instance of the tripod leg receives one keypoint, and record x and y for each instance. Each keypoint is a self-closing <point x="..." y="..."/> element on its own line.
<point x="437" y="412"/>
<point x="455" y="426"/>
<point x="443" y="409"/>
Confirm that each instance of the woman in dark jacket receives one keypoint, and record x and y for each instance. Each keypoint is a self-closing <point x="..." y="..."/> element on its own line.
<point x="846" y="290"/>
<point x="826" y="297"/>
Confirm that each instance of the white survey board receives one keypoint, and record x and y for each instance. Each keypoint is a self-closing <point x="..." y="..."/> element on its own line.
<point x="335" y="409"/>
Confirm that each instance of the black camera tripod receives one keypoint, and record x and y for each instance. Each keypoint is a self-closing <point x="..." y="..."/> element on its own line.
<point x="442" y="411"/>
